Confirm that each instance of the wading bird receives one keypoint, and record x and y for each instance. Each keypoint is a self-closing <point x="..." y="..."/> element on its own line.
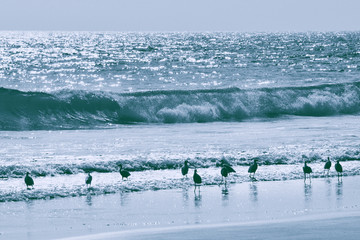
<point x="88" y="180"/>
<point x="29" y="181"/>
<point x="197" y="180"/>
<point x="225" y="170"/>
<point x="185" y="168"/>
<point x="327" y="166"/>
<point x="338" y="169"/>
<point x="252" y="169"/>
<point x="123" y="173"/>
<point x="307" y="170"/>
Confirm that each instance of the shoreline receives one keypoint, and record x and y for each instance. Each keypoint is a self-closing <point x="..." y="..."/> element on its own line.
<point x="216" y="208"/>
<point x="253" y="230"/>
<point x="60" y="186"/>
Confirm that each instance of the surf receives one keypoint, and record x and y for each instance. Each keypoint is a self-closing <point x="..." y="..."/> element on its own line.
<point x="70" y="109"/>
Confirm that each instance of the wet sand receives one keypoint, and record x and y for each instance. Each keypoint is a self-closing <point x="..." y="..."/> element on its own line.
<point x="327" y="227"/>
<point x="292" y="209"/>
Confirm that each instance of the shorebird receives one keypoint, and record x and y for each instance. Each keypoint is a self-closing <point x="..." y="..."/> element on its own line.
<point x="185" y="168"/>
<point x="197" y="179"/>
<point x="307" y="170"/>
<point x="225" y="170"/>
<point x="88" y="180"/>
<point x="338" y="169"/>
<point x="252" y="169"/>
<point x="29" y="181"/>
<point x="123" y="173"/>
<point x="327" y="166"/>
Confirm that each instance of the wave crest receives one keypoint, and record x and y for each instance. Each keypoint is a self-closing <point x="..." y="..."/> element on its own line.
<point x="81" y="109"/>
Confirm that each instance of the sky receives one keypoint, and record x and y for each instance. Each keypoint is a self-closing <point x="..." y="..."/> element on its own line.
<point x="181" y="15"/>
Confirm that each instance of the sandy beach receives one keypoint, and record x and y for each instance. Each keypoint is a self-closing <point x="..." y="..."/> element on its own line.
<point x="324" y="209"/>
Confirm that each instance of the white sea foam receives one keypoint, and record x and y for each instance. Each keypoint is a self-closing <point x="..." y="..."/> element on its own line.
<point x="105" y="183"/>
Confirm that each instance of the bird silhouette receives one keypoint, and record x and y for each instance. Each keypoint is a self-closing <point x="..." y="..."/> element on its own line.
<point x="225" y="170"/>
<point x="252" y="169"/>
<point x="327" y="166"/>
<point x="88" y="180"/>
<point x="339" y="169"/>
<point x="123" y="173"/>
<point x="307" y="170"/>
<point x="29" y="181"/>
<point x="185" y="168"/>
<point x="197" y="179"/>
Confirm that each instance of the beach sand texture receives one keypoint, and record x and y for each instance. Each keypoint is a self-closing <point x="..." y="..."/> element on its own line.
<point x="324" y="209"/>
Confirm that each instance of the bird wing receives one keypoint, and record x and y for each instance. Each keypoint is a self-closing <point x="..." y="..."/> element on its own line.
<point x="229" y="169"/>
<point x="252" y="168"/>
<point x="29" y="180"/>
<point x="224" y="172"/>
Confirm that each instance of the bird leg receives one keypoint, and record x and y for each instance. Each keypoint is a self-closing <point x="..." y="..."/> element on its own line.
<point x="339" y="177"/>
<point x="196" y="186"/>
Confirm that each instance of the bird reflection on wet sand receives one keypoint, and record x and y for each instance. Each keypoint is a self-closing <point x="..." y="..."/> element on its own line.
<point x="253" y="191"/>
<point x="339" y="190"/>
<point x="89" y="200"/>
<point x="185" y="196"/>
<point x="328" y="186"/>
<point x="307" y="191"/>
<point x="225" y="195"/>
<point x="197" y="200"/>
<point x="124" y="198"/>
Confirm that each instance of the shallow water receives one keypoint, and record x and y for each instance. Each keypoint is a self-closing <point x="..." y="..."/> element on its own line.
<point x="79" y="102"/>
<point x="154" y="155"/>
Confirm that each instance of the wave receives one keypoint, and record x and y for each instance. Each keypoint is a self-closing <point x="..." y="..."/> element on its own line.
<point x="271" y="158"/>
<point x="82" y="109"/>
<point x="106" y="183"/>
<point x="67" y="179"/>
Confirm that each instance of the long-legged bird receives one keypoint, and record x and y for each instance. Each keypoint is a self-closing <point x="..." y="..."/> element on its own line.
<point x="29" y="181"/>
<point x="225" y="170"/>
<point x="307" y="170"/>
<point x="185" y="168"/>
<point x="339" y="169"/>
<point x="123" y="173"/>
<point x="252" y="169"/>
<point x="88" y="180"/>
<point x="197" y="180"/>
<point x="327" y="166"/>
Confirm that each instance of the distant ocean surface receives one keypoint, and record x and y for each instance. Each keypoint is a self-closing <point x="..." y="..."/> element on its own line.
<point x="78" y="102"/>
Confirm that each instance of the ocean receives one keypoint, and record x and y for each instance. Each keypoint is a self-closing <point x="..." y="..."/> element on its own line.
<point x="78" y="102"/>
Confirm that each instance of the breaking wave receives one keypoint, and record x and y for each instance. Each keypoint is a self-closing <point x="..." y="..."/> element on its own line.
<point x="83" y="109"/>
